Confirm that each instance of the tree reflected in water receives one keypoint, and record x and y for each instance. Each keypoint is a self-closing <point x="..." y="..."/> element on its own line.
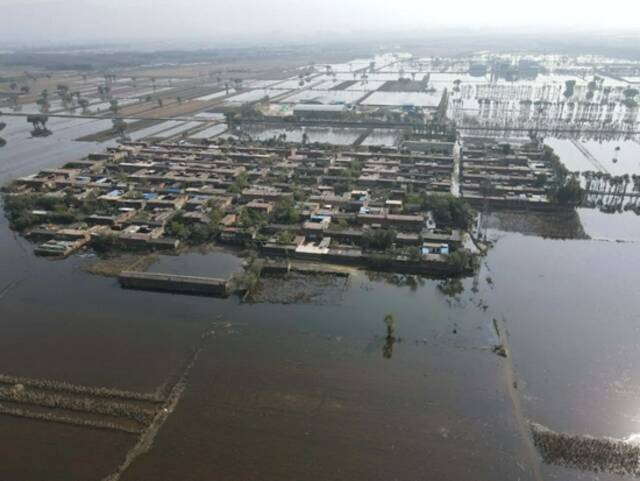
<point x="398" y="280"/>
<point x="451" y="287"/>
<point x="390" y="339"/>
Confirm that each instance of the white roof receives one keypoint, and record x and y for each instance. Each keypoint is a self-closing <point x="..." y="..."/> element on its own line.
<point x="319" y="108"/>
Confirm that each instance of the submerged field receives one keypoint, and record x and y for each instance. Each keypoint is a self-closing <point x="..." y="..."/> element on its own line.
<point x="301" y="383"/>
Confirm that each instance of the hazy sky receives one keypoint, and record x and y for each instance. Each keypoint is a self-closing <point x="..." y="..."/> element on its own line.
<point x="42" y="21"/>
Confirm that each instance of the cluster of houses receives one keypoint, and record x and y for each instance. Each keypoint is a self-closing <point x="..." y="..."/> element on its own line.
<point x="505" y="176"/>
<point x="132" y="193"/>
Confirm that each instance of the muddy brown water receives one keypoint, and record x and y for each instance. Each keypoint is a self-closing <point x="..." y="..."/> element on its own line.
<point x="303" y="391"/>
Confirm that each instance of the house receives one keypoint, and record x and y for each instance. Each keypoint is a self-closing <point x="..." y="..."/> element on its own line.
<point x="394" y="206"/>
<point x="234" y="235"/>
<point x="435" y="248"/>
<point x="429" y="146"/>
<point x="257" y="205"/>
<point x="316" y="225"/>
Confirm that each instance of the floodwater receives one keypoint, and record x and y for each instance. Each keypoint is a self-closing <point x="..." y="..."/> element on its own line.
<point x="154" y="129"/>
<point x="22" y="154"/>
<point x="616" y="157"/>
<point x="205" y="263"/>
<point x="421" y="99"/>
<point x="209" y="132"/>
<point x="385" y="137"/>
<point x="308" y="392"/>
<point x="330" y="135"/>
<point x="178" y="129"/>
<point x="617" y="227"/>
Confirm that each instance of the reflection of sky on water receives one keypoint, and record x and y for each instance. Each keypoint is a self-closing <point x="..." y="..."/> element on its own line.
<point x="330" y="135"/>
<point x="627" y="156"/>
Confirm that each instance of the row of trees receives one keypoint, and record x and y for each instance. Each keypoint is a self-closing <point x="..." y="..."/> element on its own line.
<point x="609" y="192"/>
<point x="70" y="100"/>
<point x="594" y="188"/>
<point x="19" y="210"/>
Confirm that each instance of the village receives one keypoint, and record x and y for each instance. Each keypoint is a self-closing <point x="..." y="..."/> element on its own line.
<point x="412" y="209"/>
<point x="318" y="259"/>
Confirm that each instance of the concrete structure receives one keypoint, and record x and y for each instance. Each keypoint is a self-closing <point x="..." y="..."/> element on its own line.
<point x="206" y="286"/>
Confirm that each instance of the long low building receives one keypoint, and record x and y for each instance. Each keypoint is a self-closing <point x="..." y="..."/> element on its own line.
<point x="399" y="221"/>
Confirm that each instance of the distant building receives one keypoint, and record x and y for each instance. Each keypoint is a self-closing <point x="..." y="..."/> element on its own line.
<point x="318" y="111"/>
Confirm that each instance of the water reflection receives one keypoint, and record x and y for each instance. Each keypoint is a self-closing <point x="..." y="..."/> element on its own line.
<point x="557" y="104"/>
<point x="390" y="339"/>
<point x="398" y="280"/>
<point x="451" y="287"/>
<point x="2" y="141"/>
<point x="387" y="348"/>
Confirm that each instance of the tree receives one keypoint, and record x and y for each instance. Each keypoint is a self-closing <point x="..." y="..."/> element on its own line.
<point x="113" y="106"/>
<point x="120" y="127"/>
<point x="25" y="89"/>
<point x="251" y="218"/>
<point x="378" y="239"/>
<point x="569" y="88"/>
<point x="286" y="237"/>
<point x="39" y="123"/>
<point x="84" y="104"/>
<point x="461" y="259"/>
<point x="178" y="229"/>
<point x="285" y="212"/>
<point x="567" y="191"/>
<point x="43" y="101"/>
<point x="239" y="183"/>
<point x="448" y="210"/>
<point x="541" y="180"/>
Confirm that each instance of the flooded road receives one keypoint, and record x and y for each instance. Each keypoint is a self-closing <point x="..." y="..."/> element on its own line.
<point x="309" y="392"/>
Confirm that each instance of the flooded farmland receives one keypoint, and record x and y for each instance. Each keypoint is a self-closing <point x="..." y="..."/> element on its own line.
<point x="310" y="389"/>
<point x="311" y="382"/>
